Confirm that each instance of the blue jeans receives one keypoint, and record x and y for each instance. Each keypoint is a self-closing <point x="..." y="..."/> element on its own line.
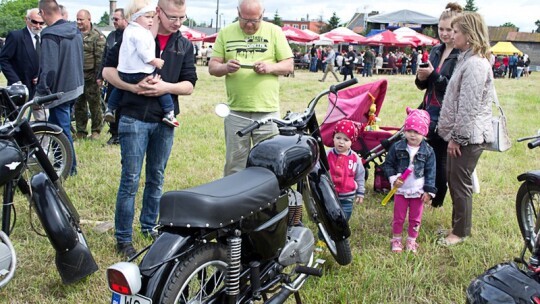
<point x="113" y="102"/>
<point x="137" y="139"/>
<point x="347" y="206"/>
<point x="313" y="65"/>
<point x="61" y="116"/>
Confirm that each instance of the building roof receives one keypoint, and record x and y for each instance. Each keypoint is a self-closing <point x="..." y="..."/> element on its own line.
<point x="509" y="33"/>
<point x="403" y="16"/>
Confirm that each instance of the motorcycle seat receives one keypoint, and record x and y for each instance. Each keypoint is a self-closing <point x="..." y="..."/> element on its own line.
<point x="220" y="202"/>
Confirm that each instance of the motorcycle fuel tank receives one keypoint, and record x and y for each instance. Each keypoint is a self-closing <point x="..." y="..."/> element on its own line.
<point x="11" y="161"/>
<point x="290" y="157"/>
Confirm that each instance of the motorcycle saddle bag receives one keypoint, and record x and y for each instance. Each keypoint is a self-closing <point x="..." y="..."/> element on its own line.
<point x="503" y="283"/>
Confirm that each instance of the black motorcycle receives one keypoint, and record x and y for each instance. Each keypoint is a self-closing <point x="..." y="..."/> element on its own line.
<point x="20" y="149"/>
<point x="241" y="239"/>
<point x="507" y="282"/>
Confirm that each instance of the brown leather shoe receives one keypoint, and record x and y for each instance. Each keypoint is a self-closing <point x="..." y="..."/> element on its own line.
<point x="94" y="136"/>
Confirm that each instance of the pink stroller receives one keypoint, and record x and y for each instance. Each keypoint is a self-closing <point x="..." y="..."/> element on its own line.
<point x="362" y="104"/>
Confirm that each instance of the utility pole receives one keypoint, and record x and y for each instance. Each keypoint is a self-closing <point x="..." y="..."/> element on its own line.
<point x="112" y="7"/>
<point x="217" y="16"/>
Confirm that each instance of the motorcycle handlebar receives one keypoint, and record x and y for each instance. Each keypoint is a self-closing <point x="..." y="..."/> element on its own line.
<point x="307" y="113"/>
<point x="254" y="125"/>
<point x="534" y="144"/>
<point x="41" y="100"/>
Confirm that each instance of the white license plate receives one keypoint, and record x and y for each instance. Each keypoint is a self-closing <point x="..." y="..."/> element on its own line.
<point x="136" y="299"/>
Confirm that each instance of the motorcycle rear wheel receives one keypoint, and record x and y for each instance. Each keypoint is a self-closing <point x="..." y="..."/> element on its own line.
<point x="527" y="211"/>
<point x="199" y="277"/>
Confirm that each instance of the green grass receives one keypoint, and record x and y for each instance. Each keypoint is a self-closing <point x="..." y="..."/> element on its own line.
<point x="434" y="275"/>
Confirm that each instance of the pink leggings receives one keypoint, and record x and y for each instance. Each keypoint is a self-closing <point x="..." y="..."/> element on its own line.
<point x="415" y="206"/>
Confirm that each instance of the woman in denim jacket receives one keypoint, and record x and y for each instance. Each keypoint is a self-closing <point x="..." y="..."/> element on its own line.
<point x="419" y="187"/>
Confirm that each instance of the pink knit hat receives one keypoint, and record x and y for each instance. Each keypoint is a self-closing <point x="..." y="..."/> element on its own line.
<point x="417" y="120"/>
<point x="347" y="127"/>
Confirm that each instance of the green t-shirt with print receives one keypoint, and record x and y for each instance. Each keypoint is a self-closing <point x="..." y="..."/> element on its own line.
<point x="248" y="91"/>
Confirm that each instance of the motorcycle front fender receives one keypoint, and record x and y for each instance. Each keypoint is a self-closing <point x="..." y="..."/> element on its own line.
<point x="163" y="249"/>
<point x="74" y="261"/>
<point x="329" y="211"/>
<point x="43" y="126"/>
<point x="531" y="176"/>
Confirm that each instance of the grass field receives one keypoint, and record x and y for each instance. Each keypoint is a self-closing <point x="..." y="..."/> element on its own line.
<point x="435" y="275"/>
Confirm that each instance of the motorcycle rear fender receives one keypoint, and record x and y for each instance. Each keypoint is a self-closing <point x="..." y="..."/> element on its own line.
<point x="154" y="278"/>
<point x="43" y="126"/>
<point x="329" y="211"/>
<point x="531" y="176"/>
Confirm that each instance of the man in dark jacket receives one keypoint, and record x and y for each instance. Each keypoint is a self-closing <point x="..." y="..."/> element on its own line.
<point x="120" y="23"/>
<point x="19" y="57"/>
<point x="140" y="129"/>
<point x="61" y="63"/>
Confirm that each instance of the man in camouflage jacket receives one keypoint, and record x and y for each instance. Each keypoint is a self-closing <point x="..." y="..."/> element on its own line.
<point x="93" y="45"/>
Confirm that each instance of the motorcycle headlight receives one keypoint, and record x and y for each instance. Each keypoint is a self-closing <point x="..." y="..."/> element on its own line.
<point x="18" y="93"/>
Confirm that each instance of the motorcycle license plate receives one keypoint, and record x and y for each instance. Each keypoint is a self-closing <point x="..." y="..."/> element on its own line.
<point x="136" y="299"/>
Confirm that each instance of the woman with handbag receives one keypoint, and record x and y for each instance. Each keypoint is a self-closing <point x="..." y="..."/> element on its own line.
<point x="465" y="118"/>
<point x="434" y="78"/>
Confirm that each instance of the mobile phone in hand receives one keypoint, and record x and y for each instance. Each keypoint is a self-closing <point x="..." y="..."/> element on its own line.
<point x="423" y="65"/>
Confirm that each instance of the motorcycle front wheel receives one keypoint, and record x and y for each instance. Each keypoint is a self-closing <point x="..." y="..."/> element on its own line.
<point x="199" y="277"/>
<point x="527" y="211"/>
<point x="58" y="149"/>
<point x="340" y="250"/>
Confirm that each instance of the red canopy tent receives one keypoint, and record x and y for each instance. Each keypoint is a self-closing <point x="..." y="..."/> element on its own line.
<point x="388" y="38"/>
<point x="297" y="35"/>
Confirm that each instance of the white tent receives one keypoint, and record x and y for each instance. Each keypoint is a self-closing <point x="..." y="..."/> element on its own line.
<point x="403" y="16"/>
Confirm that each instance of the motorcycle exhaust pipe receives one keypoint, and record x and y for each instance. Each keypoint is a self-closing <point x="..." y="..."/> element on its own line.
<point x="74" y="260"/>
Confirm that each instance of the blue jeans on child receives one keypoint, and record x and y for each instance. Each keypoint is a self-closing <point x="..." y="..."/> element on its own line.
<point x="347" y="205"/>
<point x="165" y="100"/>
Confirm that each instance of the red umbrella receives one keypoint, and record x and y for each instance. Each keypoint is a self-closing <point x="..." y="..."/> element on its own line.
<point x="191" y="34"/>
<point x="211" y="39"/>
<point x="294" y="34"/>
<point x="342" y="34"/>
<point x="413" y="35"/>
<point x="388" y="38"/>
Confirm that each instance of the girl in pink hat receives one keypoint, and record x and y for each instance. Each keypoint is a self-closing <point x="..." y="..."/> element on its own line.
<point x="346" y="167"/>
<point x="418" y="188"/>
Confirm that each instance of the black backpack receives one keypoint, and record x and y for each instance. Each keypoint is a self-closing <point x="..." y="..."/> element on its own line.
<point x="503" y="283"/>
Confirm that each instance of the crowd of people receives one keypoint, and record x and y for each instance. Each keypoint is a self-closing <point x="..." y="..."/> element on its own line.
<point x="365" y="61"/>
<point x="515" y="65"/>
<point x="147" y="75"/>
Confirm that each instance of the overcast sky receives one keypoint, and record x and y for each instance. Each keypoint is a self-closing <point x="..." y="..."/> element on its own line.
<point x="522" y="13"/>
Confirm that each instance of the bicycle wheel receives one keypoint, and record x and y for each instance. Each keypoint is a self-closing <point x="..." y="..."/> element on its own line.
<point x="58" y="149"/>
<point x="199" y="277"/>
<point x="527" y="211"/>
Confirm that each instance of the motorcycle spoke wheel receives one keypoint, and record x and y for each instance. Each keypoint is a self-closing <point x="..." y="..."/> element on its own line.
<point x="199" y="278"/>
<point x="58" y="149"/>
<point x="340" y="250"/>
<point x="527" y="211"/>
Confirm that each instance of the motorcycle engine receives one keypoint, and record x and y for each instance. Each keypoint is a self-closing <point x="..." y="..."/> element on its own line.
<point x="298" y="247"/>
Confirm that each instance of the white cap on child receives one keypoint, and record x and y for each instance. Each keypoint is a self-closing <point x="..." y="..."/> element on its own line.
<point x="149" y="8"/>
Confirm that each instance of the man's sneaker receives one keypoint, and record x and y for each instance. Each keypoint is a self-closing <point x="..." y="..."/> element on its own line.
<point x="170" y="120"/>
<point x="411" y="246"/>
<point x="126" y="249"/>
<point x="396" y="245"/>
<point x="109" y="116"/>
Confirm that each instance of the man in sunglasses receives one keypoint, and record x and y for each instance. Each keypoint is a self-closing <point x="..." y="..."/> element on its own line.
<point x="19" y="57"/>
<point x="251" y="54"/>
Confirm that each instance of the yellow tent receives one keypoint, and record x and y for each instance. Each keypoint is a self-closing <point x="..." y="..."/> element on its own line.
<point x="505" y="48"/>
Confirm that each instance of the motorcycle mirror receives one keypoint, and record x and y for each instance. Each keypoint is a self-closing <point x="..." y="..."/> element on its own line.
<point x="222" y="110"/>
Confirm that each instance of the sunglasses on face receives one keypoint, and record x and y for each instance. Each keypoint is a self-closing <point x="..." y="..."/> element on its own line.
<point x="36" y="22"/>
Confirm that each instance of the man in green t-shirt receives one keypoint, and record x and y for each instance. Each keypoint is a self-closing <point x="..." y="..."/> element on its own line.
<point x="251" y="54"/>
